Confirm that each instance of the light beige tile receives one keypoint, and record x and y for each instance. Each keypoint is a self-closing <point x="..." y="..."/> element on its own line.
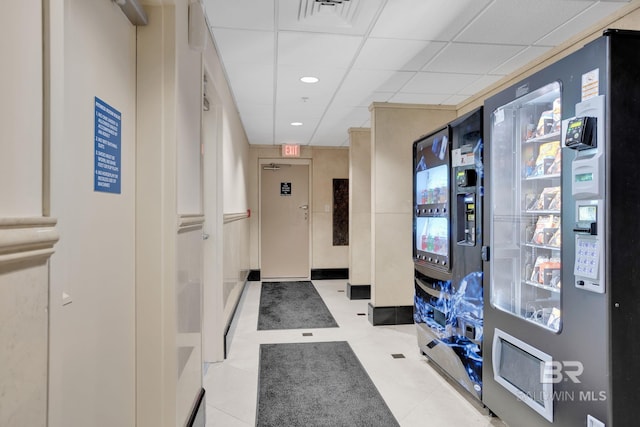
<point x="412" y="389"/>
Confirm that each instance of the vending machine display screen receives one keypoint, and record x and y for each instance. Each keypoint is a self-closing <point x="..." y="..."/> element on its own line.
<point x="431" y="184"/>
<point x="431" y="174"/>
<point x="432" y="235"/>
<point x="584" y="177"/>
<point x="587" y="213"/>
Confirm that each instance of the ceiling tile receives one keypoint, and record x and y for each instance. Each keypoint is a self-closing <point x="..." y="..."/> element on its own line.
<point x="334" y="130"/>
<point x="308" y="115"/>
<point x="502" y="21"/>
<point x="425" y="19"/>
<point x="245" y="47"/>
<point x="455" y="99"/>
<point x="418" y="52"/>
<point x="419" y="98"/>
<point x="258" y="123"/>
<point x="408" y="55"/>
<point x="291" y="90"/>
<point x="478" y="85"/>
<point x="251" y="84"/>
<point x="521" y="59"/>
<point x="287" y="134"/>
<point x="581" y="22"/>
<point x="396" y="81"/>
<point x="247" y="14"/>
<point x="471" y="57"/>
<point x="377" y="97"/>
<point x="317" y="50"/>
<point x="359" y="84"/>
<point x="438" y="83"/>
<point x="353" y="18"/>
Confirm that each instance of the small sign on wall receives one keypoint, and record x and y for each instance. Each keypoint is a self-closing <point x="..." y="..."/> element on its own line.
<point x="285" y="188"/>
<point x="107" y="141"/>
<point x="290" y="150"/>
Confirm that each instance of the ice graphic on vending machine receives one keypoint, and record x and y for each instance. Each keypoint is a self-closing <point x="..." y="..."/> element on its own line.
<point x="461" y="307"/>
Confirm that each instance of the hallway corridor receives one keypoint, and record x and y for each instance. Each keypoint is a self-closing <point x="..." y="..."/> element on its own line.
<point x="416" y="394"/>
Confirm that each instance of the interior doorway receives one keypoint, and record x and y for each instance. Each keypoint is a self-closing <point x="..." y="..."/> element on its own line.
<point x="284" y="220"/>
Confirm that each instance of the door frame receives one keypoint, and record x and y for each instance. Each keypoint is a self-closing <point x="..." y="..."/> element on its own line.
<point x="213" y="323"/>
<point x="284" y="161"/>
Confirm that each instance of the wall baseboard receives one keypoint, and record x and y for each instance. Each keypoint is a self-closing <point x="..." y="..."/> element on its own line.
<point x="226" y="344"/>
<point x="329" y="273"/>
<point x="254" y="276"/>
<point x="197" y="417"/>
<point x="399" y="315"/>
<point x="358" y="291"/>
<point x="316" y="274"/>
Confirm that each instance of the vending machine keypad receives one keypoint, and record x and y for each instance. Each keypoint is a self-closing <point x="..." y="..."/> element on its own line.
<point x="587" y="257"/>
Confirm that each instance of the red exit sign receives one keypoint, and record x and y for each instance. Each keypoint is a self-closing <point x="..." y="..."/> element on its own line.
<point x="290" y="150"/>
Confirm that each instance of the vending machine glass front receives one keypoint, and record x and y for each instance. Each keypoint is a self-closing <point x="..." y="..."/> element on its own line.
<point x="526" y="207"/>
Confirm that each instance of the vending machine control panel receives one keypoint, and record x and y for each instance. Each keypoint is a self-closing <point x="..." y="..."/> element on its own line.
<point x="467" y="219"/>
<point x="587" y="188"/>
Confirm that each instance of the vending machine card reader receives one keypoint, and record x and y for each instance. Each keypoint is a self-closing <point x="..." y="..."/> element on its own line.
<point x="580" y="133"/>
<point x="587" y="188"/>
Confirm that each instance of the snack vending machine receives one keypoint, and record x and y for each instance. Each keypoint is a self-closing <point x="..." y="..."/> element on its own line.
<point x="447" y="237"/>
<point x="562" y="307"/>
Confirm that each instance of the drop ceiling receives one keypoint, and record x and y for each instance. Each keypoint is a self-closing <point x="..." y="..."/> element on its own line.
<point x="364" y="51"/>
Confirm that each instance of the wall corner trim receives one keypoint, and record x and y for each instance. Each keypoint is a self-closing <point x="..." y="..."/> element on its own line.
<point x="27" y="238"/>
<point x="190" y="222"/>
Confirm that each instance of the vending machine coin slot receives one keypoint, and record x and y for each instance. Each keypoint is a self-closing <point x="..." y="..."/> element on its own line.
<point x="467" y="219"/>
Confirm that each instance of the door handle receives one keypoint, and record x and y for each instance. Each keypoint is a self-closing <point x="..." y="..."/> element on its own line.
<point x="305" y="207"/>
<point x="205" y="236"/>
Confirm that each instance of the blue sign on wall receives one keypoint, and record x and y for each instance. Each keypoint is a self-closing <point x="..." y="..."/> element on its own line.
<point x="107" y="138"/>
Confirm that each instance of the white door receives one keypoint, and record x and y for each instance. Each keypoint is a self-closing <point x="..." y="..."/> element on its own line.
<point x="285" y="211"/>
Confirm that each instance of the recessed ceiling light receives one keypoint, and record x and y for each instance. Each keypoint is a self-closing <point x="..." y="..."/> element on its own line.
<point x="309" y="79"/>
<point x="296" y="123"/>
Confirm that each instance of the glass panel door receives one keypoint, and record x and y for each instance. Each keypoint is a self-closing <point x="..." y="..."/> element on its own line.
<point x="526" y="208"/>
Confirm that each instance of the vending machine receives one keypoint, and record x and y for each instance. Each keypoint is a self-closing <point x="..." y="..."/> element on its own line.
<point x="447" y="235"/>
<point x="562" y="298"/>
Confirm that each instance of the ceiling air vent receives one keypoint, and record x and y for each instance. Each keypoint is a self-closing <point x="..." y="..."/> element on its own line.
<point x="330" y="13"/>
<point x="330" y="2"/>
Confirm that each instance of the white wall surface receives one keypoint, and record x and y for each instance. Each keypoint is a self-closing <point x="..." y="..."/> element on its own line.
<point x="21" y="109"/>
<point x="226" y="252"/>
<point x="235" y="154"/>
<point x="92" y="352"/>
<point x="169" y="219"/>
<point x="188" y="110"/>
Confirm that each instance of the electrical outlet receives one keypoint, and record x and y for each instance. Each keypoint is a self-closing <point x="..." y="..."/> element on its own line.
<point x="593" y="422"/>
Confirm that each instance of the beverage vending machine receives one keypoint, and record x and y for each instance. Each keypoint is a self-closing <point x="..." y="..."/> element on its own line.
<point x="562" y="300"/>
<point x="447" y="235"/>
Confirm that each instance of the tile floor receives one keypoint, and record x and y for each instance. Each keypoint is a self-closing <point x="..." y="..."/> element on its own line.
<point x="416" y="394"/>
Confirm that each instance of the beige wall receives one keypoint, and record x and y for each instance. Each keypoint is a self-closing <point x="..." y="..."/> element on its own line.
<point x="26" y="235"/>
<point x="394" y="128"/>
<point x="226" y="203"/>
<point x="93" y="330"/>
<point x="326" y="164"/>
<point x="360" y="206"/>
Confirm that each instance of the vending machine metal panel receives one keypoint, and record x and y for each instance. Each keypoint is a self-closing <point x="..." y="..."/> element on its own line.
<point x="560" y="303"/>
<point x="447" y="249"/>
